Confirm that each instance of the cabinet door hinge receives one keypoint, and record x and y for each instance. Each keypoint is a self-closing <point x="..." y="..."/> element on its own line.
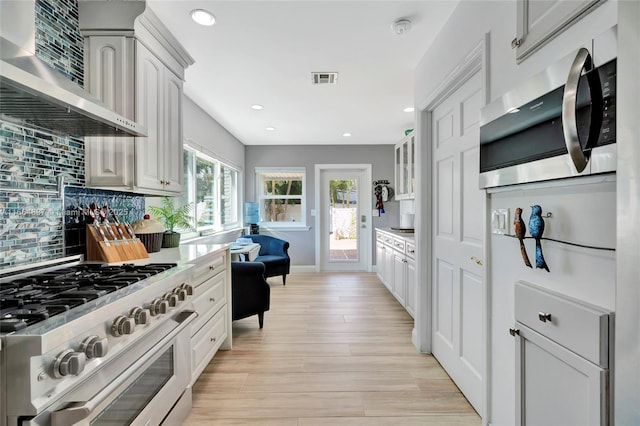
<point x="516" y="42"/>
<point x="514" y="332"/>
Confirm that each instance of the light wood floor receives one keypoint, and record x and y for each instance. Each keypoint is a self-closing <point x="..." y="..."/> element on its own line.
<point x="335" y="350"/>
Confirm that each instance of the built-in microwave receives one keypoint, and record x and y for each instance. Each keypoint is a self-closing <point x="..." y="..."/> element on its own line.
<point x="561" y="123"/>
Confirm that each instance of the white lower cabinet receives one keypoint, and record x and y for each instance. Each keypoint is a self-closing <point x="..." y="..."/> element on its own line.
<point x="211" y="301"/>
<point x="399" y="282"/>
<point x="562" y="359"/>
<point x="396" y="268"/>
<point x="412" y="288"/>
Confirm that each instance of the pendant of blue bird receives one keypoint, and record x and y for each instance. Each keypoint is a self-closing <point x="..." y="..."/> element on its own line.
<point x="520" y="230"/>
<point x="536" y="229"/>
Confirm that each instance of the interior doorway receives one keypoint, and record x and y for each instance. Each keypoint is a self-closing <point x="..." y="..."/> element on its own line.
<point x="343" y="218"/>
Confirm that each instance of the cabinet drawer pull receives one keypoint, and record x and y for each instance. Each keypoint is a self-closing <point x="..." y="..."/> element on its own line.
<point x="544" y="317"/>
<point x="213" y="339"/>
<point x="212" y="299"/>
<point x="514" y="332"/>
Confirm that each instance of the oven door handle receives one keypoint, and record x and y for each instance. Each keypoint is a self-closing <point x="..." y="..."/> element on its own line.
<point x="569" y="106"/>
<point x="79" y="413"/>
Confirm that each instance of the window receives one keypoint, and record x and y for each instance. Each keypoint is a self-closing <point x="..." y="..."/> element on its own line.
<point x="281" y="196"/>
<point x="211" y="187"/>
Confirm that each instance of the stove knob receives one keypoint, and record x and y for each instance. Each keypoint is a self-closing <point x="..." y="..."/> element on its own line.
<point x="172" y="299"/>
<point x="141" y="316"/>
<point x="188" y="288"/>
<point x="94" y="347"/>
<point x="123" y="325"/>
<point x="158" y="306"/>
<point x="181" y="293"/>
<point x="68" y="362"/>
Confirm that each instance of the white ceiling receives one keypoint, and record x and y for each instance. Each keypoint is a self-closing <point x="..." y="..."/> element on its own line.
<point x="263" y="52"/>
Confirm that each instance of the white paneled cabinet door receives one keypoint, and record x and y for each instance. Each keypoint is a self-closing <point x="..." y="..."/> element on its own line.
<point x="554" y="386"/>
<point x="389" y="268"/>
<point x="159" y="108"/>
<point x="399" y="273"/>
<point x="173" y="151"/>
<point x="411" y="287"/>
<point x="539" y="21"/>
<point x="149" y="107"/>
<point x="458" y="215"/>
<point x="110" y="77"/>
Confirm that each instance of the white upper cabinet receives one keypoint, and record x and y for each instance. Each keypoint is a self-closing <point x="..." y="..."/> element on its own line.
<point x="138" y="71"/>
<point x="159" y="108"/>
<point x="405" y="168"/>
<point x="109" y="76"/>
<point x="540" y="21"/>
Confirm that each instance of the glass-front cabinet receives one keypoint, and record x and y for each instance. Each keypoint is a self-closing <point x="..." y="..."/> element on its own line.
<point x="405" y="168"/>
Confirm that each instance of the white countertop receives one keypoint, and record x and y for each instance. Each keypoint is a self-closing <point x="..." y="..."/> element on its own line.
<point x="185" y="253"/>
<point x="409" y="236"/>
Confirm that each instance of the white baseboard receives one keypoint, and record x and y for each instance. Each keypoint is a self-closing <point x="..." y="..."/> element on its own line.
<point x="303" y="268"/>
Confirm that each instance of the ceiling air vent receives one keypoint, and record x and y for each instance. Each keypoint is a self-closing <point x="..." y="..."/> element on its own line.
<point x="324" y="78"/>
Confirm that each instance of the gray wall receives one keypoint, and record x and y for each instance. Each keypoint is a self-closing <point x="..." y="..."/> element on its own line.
<point x="203" y="132"/>
<point x="303" y="243"/>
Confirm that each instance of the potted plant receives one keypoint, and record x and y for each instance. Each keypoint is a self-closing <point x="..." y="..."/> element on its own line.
<point x="172" y="217"/>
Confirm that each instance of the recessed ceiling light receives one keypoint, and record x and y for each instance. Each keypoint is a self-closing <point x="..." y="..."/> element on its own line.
<point x="257" y="107"/>
<point x="203" y="17"/>
<point x="270" y="129"/>
<point x="346" y="135"/>
<point x="409" y="109"/>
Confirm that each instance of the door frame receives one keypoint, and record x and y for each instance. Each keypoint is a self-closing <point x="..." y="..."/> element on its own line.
<point x="366" y="201"/>
<point x="476" y="60"/>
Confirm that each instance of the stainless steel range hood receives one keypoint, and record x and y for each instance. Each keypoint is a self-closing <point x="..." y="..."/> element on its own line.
<point x="35" y="95"/>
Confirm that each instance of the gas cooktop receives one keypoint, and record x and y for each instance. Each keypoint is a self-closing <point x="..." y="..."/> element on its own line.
<point x="28" y="300"/>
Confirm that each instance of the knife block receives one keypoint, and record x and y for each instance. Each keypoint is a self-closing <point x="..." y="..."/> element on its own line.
<point x="104" y="248"/>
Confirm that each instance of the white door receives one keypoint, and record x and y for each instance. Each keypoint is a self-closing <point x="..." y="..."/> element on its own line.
<point x="344" y="224"/>
<point x="458" y="217"/>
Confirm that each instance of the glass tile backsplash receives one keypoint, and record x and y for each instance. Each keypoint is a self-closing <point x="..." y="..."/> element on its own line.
<point x="32" y="215"/>
<point x="30" y="159"/>
<point x="58" y="40"/>
<point x="30" y="227"/>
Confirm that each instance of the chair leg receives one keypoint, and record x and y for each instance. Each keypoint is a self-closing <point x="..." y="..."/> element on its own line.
<point x="261" y="319"/>
<point x="284" y="279"/>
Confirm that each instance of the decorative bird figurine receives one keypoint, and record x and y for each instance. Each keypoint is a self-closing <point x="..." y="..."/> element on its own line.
<point x="536" y="229"/>
<point x="520" y="229"/>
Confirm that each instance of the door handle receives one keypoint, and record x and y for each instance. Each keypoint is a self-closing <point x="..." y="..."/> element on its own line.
<point x="478" y="261"/>
<point x="569" y="106"/>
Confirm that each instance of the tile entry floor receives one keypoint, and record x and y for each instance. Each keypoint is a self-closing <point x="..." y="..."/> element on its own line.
<point x="335" y="350"/>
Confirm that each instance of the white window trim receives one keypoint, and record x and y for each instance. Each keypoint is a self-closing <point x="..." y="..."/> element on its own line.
<point x="217" y="227"/>
<point x="283" y="226"/>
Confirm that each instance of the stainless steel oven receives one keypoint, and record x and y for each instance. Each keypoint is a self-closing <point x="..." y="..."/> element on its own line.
<point x="140" y="387"/>
<point x="560" y="123"/>
<point x="90" y="344"/>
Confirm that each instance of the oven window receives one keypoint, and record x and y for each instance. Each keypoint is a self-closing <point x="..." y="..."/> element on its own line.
<point x="128" y="405"/>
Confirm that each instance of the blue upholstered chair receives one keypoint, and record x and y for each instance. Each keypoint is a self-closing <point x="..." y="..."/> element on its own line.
<point x="250" y="293"/>
<point x="274" y="254"/>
